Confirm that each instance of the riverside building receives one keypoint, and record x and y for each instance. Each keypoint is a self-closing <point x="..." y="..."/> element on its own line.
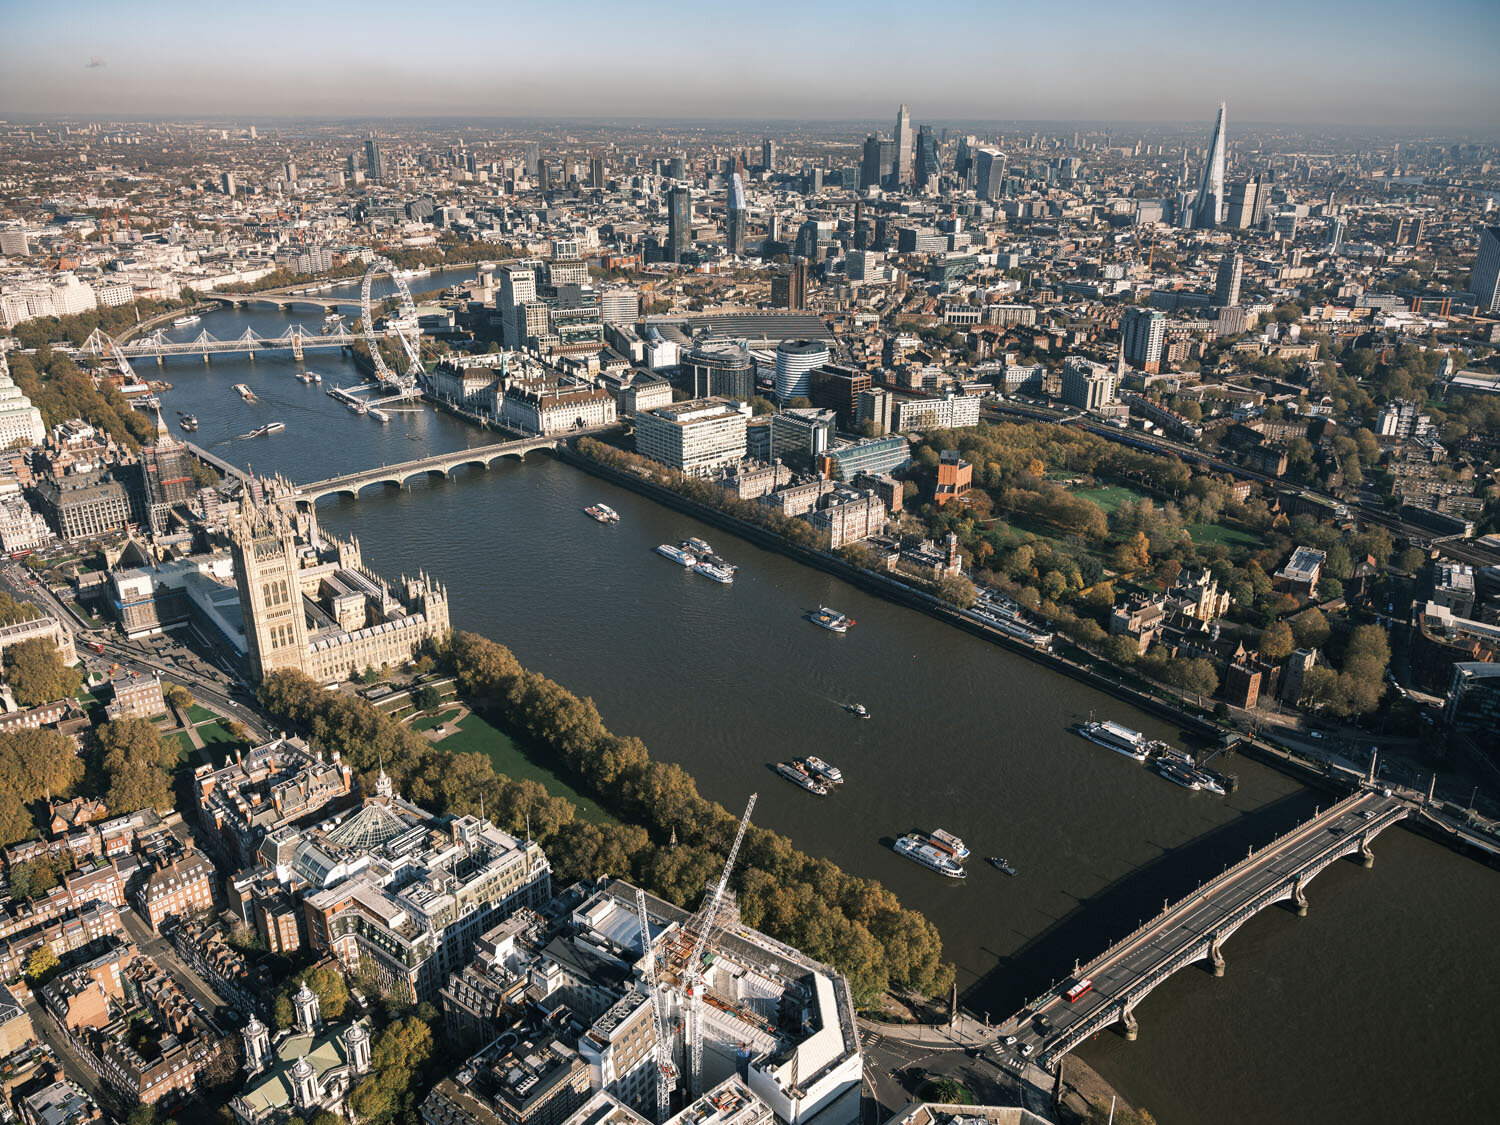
<point x="694" y="437"/>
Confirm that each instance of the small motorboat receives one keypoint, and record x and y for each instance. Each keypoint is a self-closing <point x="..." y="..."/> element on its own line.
<point x="1000" y="864"/>
<point x="857" y="709"/>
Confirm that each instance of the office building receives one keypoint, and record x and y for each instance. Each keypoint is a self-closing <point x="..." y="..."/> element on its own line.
<point x="789" y="287"/>
<point x="1485" y="280"/>
<point x="620" y="305"/>
<point x="1209" y="204"/>
<point x="873" y="455"/>
<point x="901" y="173"/>
<point x="83" y="505"/>
<point x="879" y="158"/>
<point x="533" y="1081"/>
<point x="226" y="182"/>
<point x="679" y="222"/>
<point x="694" y="437"/>
<point x="1144" y="332"/>
<point x="795" y="362"/>
<point x="718" y="369"/>
<point x="1088" y="385"/>
<point x="989" y="175"/>
<point x="874" y="406"/>
<point x="838" y="388"/>
<point x="1474" y="701"/>
<point x="927" y="167"/>
<point x="135" y="696"/>
<point x="375" y="161"/>
<point x="768" y="155"/>
<point x="20" y="422"/>
<point x="736" y="217"/>
<point x="596" y="172"/>
<point x="955" y="477"/>
<point x="1227" y="281"/>
<point x="951" y="412"/>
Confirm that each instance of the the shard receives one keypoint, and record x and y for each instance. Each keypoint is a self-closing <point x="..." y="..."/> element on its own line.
<point x="1209" y="208"/>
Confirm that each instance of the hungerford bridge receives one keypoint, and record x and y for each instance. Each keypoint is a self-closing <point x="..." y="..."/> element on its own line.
<point x="403" y="326"/>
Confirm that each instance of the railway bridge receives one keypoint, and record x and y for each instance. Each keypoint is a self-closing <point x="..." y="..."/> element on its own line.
<point x="1196" y="928"/>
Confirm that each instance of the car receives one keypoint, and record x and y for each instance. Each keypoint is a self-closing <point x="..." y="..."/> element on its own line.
<point x="1026" y="1049"/>
<point x="1010" y="1040"/>
<point x="1368" y="814"/>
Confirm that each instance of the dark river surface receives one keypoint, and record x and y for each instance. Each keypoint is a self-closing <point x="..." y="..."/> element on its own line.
<point x="1378" y="1006"/>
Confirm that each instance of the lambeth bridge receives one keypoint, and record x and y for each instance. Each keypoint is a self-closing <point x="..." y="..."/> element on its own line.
<point x="441" y="464"/>
<point x="1196" y="928"/>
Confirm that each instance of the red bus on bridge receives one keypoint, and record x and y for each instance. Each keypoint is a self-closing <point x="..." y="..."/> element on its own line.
<point x="1082" y="988"/>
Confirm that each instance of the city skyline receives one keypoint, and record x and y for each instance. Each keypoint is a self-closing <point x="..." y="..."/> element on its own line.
<point x="1329" y="65"/>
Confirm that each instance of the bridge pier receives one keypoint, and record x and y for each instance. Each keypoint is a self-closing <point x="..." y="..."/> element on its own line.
<point x="1128" y="1021"/>
<point x="1299" y="896"/>
<point x="1216" y="955"/>
<point x="297" y="347"/>
<point x="1366" y="856"/>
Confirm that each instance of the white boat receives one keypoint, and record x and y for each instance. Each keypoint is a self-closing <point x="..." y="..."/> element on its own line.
<point x="831" y="619"/>
<point x="799" y="776"/>
<point x="1178" y="774"/>
<point x="379" y="415"/>
<point x="948" y="842"/>
<point x="358" y="407"/>
<point x="717" y="572"/>
<point x="1112" y="736"/>
<point x="185" y="321"/>
<point x="859" y="710"/>
<point x="823" y="771"/>
<point x="676" y="554"/>
<point x="244" y="392"/>
<point x="333" y="318"/>
<point x="918" y="850"/>
<point x="698" y="546"/>
<point x="316" y="378"/>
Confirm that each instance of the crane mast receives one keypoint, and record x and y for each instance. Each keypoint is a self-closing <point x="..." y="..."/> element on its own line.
<point x="693" y="976"/>
<point x="666" y="1072"/>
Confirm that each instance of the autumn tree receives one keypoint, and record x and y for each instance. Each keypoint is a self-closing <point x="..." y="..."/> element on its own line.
<point x="1277" y="642"/>
<point x="36" y="673"/>
<point x="136" y="763"/>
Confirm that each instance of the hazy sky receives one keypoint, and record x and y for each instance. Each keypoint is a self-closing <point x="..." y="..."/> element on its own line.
<point x="1374" y="62"/>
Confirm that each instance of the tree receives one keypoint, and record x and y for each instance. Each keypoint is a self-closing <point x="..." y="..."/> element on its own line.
<point x="135" y="760"/>
<point x="177" y="695"/>
<point x="41" y="964"/>
<point x="1310" y="629"/>
<point x="427" y="698"/>
<point x="36" y="673"/>
<point x="1277" y="642"/>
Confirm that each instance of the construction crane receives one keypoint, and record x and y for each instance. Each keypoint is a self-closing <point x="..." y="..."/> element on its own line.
<point x="692" y="977"/>
<point x="666" y="1070"/>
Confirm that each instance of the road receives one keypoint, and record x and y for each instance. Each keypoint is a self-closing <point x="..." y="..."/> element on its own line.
<point x="161" y="951"/>
<point x="71" y="1062"/>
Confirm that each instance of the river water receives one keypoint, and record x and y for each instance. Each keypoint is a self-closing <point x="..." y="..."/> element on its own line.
<point x="1374" y="1007"/>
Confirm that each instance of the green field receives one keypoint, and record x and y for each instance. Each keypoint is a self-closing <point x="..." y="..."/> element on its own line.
<point x="197" y="714"/>
<point x="477" y="735"/>
<point x="1109" y="497"/>
<point x="212" y="733"/>
<point x="427" y="722"/>
<point x="1208" y="534"/>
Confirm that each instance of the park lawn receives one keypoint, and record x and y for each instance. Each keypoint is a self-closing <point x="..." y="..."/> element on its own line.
<point x="1208" y="534"/>
<point x="216" y="733"/>
<point x="1109" y="498"/>
<point x="427" y="722"/>
<point x="477" y="734"/>
<point x="197" y="714"/>
<point x="185" y="747"/>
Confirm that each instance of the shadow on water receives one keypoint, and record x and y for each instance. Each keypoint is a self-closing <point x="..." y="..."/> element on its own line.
<point x="1108" y="916"/>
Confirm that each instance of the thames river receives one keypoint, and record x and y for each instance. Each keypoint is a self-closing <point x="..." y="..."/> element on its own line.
<point x="1375" y="1007"/>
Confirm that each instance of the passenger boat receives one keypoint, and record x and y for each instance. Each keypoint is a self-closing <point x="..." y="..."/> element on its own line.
<point x="603" y="513"/>
<point x="859" y="710"/>
<point x="676" y="554"/>
<point x="717" y="571"/>
<point x="188" y="422"/>
<point x="333" y="318"/>
<point x="831" y="619"/>
<point x="1112" y="736"/>
<point x="821" y="770"/>
<point x="244" y="392"/>
<point x="316" y="378"/>
<point x="920" y="851"/>
<point x="1179" y="774"/>
<point x="186" y="321"/>
<point x="1001" y="864"/>
<point x="305" y="377"/>
<point x="799" y="776"/>
<point x="948" y="842"/>
<point x="379" y="415"/>
<point x="358" y="407"/>
<point x="268" y="428"/>
<point x="697" y="546"/>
